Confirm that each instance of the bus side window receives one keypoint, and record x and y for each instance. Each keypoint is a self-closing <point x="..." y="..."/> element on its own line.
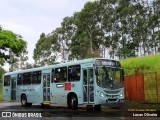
<point x="27" y="78"/>
<point x="39" y="77"/>
<point x="60" y="74"/>
<point x="74" y="73"/>
<point x="36" y="77"/>
<point x="7" y="80"/>
<point x="69" y="74"/>
<point x="20" y="79"/>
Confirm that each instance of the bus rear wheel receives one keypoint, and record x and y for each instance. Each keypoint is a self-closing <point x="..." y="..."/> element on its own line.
<point x="24" y="101"/>
<point x="73" y="102"/>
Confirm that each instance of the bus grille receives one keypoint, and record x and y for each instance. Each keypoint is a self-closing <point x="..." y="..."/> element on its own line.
<point x="112" y="96"/>
<point x="112" y="92"/>
<point x="112" y="100"/>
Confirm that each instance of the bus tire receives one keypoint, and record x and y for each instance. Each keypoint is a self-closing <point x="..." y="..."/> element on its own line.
<point x="73" y="102"/>
<point x="24" y="100"/>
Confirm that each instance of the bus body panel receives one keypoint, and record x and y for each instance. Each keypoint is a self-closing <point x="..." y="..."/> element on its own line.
<point x="58" y="94"/>
<point x="7" y="90"/>
<point x="7" y="93"/>
<point x="32" y="92"/>
<point x="78" y="89"/>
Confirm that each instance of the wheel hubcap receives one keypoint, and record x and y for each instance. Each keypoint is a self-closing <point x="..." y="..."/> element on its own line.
<point x="72" y="101"/>
<point x="23" y="101"/>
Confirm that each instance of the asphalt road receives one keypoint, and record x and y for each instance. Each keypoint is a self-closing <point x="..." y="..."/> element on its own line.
<point x="36" y="112"/>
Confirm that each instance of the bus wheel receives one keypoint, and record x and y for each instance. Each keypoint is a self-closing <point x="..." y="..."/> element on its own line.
<point x="73" y="102"/>
<point x="24" y="100"/>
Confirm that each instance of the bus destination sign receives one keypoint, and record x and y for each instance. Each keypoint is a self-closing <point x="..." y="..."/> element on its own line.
<point x="101" y="62"/>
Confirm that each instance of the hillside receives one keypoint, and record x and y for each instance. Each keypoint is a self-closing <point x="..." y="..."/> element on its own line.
<point x="0" y="91"/>
<point x="144" y="64"/>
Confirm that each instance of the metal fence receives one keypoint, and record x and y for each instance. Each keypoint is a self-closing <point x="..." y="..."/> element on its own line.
<point x="152" y="87"/>
<point x="133" y="86"/>
<point x="143" y="87"/>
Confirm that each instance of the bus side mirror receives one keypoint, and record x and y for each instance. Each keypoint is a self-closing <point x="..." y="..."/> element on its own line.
<point x="122" y="75"/>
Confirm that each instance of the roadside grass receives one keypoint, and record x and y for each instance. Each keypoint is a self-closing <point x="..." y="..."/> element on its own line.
<point x="0" y="91"/>
<point x="141" y="64"/>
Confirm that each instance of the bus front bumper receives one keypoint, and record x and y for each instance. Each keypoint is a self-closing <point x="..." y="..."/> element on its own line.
<point x="115" y="103"/>
<point x="110" y="101"/>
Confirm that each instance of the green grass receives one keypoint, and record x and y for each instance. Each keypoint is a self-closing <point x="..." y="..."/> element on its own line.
<point x="0" y="91"/>
<point x="144" y="64"/>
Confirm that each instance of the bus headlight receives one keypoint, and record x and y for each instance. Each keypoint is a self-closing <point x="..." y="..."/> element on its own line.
<point x="121" y="95"/>
<point x="102" y="94"/>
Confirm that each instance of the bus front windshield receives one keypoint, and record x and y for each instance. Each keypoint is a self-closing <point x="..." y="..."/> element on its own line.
<point x="109" y="77"/>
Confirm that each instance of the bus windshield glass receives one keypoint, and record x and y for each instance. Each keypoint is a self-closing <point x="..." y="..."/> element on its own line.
<point x="109" y="75"/>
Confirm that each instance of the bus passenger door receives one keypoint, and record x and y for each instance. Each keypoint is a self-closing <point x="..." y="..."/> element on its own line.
<point x="46" y="87"/>
<point x="13" y="88"/>
<point x="88" y="85"/>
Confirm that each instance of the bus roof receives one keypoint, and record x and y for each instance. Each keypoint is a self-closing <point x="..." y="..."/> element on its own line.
<point x="56" y="65"/>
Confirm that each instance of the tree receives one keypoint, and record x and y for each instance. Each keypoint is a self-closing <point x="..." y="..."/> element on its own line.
<point x="10" y="42"/>
<point x="69" y="30"/>
<point x="2" y="71"/>
<point x="47" y="49"/>
<point x="62" y="40"/>
<point x="126" y="28"/>
<point x="28" y="65"/>
<point x="20" y="62"/>
<point x="86" y="40"/>
<point x="40" y="51"/>
<point x="108" y="20"/>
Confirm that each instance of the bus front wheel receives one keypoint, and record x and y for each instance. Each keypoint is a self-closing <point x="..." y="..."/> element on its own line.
<point x="73" y="102"/>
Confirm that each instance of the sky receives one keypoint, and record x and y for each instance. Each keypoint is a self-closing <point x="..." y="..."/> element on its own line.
<point x="30" y="18"/>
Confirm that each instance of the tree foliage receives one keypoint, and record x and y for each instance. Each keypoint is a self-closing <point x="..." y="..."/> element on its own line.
<point x="20" y="62"/>
<point x="2" y="71"/>
<point x="125" y="28"/>
<point x="10" y="43"/>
